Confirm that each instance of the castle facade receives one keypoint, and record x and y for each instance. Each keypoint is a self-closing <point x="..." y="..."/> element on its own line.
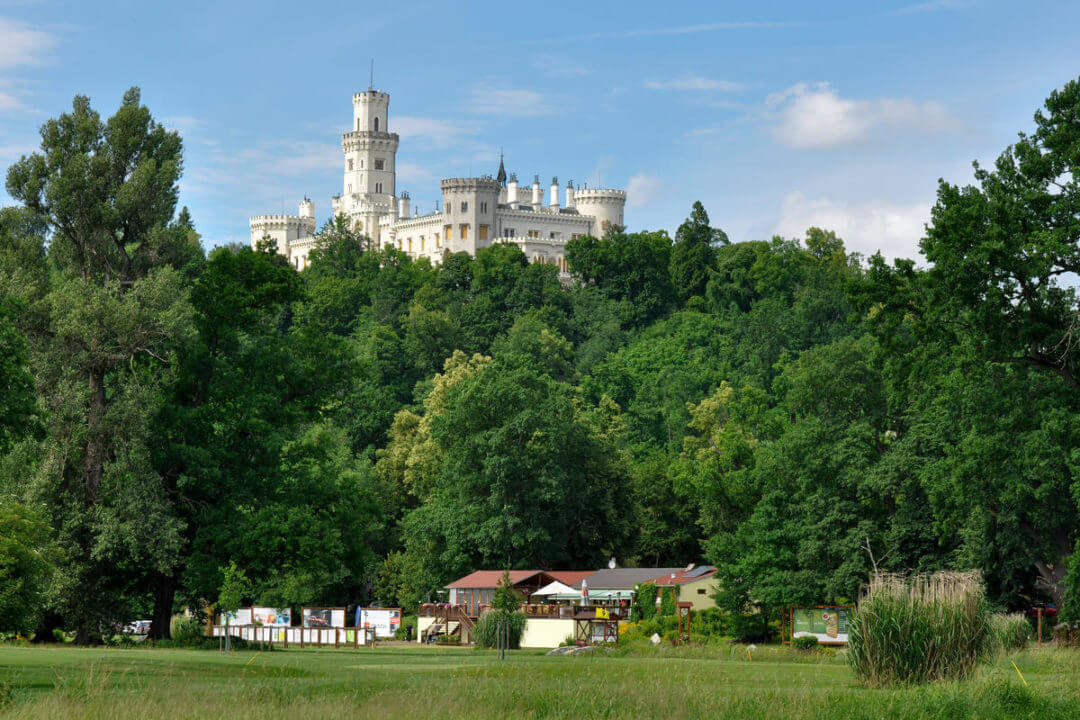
<point x="476" y="212"/>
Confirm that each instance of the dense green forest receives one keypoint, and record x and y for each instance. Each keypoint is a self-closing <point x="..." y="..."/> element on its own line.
<point x="372" y="427"/>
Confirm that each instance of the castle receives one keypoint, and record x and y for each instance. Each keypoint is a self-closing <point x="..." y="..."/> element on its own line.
<point x="476" y="211"/>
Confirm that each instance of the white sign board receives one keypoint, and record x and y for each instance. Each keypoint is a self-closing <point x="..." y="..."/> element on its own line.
<point x="386" y="621"/>
<point x="240" y="617"/>
<point x="324" y="617"/>
<point x="271" y="616"/>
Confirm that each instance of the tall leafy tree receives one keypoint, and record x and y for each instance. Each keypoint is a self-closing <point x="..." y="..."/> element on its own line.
<point x="693" y="256"/>
<point x="105" y="330"/>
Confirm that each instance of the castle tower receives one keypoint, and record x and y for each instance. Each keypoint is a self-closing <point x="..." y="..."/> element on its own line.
<point x="469" y="212"/>
<point x="604" y="206"/>
<point x="370" y="152"/>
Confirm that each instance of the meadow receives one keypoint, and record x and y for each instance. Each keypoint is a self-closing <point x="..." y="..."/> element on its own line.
<point x="422" y="682"/>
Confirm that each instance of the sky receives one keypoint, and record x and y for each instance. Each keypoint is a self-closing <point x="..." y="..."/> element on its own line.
<point x="776" y="116"/>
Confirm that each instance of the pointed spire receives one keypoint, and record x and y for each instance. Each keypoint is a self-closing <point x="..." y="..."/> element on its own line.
<point x="501" y="177"/>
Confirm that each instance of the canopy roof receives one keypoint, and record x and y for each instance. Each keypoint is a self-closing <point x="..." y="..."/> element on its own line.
<point x="555" y="588"/>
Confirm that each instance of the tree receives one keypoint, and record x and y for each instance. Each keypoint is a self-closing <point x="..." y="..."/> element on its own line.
<point x="25" y="567"/>
<point x="105" y="330"/>
<point x="235" y="586"/>
<point x="631" y="268"/>
<point x="693" y="256"/>
<point x="1002" y="253"/>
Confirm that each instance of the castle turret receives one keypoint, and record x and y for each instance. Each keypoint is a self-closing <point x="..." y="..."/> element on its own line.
<point x="307" y="208"/>
<point x="370" y="152"/>
<point x="469" y="215"/>
<point x="512" y="190"/>
<point x="604" y="206"/>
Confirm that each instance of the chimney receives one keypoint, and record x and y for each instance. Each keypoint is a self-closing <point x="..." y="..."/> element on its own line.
<point x="403" y="204"/>
<point x="536" y="192"/>
<point x="570" y="194"/>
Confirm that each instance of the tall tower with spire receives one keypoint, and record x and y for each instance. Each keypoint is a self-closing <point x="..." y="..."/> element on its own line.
<point x="501" y="176"/>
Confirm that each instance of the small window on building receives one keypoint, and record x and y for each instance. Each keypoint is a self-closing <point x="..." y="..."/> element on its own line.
<point x="421" y="243"/>
<point x="482" y="232"/>
<point x="350" y="188"/>
<point x="410" y="245"/>
<point x="350" y="165"/>
<point x="463" y="230"/>
<point x="379" y="163"/>
<point x="483" y="207"/>
<point x="701" y="591"/>
<point x="509" y="232"/>
<point x="448" y="232"/>
<point x="378" y="187"/>
<point x="376" y="124"/>
<point x="464" y="207"/>
<point x="438" y="244"/>
<point x="553" y="235"/>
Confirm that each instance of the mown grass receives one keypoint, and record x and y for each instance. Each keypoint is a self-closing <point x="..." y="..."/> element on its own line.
<point x="415" y="682"/>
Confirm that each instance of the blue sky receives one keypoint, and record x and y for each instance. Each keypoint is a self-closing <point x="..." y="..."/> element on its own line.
<point x="775" y="115"/>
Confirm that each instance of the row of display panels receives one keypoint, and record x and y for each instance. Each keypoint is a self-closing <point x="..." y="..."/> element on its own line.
<point x="386" y="621"/>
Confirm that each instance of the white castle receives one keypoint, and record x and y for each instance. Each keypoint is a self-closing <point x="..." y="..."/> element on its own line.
<point x="476" y="211"/>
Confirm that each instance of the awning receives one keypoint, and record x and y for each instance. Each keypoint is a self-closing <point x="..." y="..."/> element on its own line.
<point x="554" y="588"/>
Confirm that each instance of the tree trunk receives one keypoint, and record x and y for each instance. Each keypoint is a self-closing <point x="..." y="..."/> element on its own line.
<point x="1052" y="575"/>
<point x="94" y="460"/>
<point x="164" y="594"/>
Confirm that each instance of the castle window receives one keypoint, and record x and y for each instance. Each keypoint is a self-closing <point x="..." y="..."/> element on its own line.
<point x="410" y="245"/>
<point x="448" y="231"/>
<point x="379" y="163"/>
<point x="464" y="207"/>
<point x="350" y="188"/>
<point x="361" y="164"/>
<point x="421" y="243"/>
<point x="437" y="243"/>
<point x="509" y="232"/>
<point x="350" y="165"/>
<point x="376" y="124"/>
<point x="483" y="207"/>
<point x="378" y="187"/>
<point x="482" y="232"/>
<point x="464" y="231"/>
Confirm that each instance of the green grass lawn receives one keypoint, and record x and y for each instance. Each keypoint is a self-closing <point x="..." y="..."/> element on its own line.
<point x="416" y="682"/>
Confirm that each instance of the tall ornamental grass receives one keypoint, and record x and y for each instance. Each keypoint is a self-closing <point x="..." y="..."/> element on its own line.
<point x="920" y="628"/>
<point x="1011" y="631"/>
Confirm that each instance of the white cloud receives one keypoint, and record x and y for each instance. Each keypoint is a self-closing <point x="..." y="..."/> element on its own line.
<point x="10" y="103"/>
<point x="21" y="44"/>
<point x="437" y="133"/>
<point x="867" y="227"/>
<point x="812" y="116"/>
<point x="691" y="29"/>
<point x="11" y="153"/>
<point x="559" y="66"/>
<point x="932" y="6"/>
<point x="515" y="103"/>
<point x="693" y="82"/>
<point x="643" y="189"/>
<point x="414" y="173"/>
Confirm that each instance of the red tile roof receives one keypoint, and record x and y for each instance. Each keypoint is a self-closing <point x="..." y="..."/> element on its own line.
<point x="572" y="578"/>
<point x="682" y="578"/>
<point x="491" y="578"/>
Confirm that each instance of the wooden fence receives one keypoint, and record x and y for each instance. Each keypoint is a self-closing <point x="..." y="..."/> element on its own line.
<point x="300" y="636"/>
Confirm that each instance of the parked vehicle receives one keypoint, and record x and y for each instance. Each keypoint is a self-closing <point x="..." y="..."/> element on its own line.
<point x="1049" y="610"/>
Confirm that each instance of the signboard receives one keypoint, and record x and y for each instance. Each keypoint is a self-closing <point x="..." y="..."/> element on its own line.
<point x="386" y="621"/>
<point x="324" y="617"/>
<point x="271" y="616"/>
<point x="241" y="617"/>
<point x="828" y="624"/>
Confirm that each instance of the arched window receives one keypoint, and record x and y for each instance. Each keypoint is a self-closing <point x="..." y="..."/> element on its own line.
<point x="376" y="124"/>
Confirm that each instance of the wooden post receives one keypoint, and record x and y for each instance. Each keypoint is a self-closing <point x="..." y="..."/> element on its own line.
<point x="1040" y="626"/>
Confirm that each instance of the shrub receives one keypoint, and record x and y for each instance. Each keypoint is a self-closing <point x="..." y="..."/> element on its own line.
<point x="644" y="607"/>
<point x="403" y="632"/>
<point x="920" y="629"/>
<point x="1011" y="631"/>
<point x="486" y="632"/>
<point x="183" y="628"/>
<point x="804" y="643"/>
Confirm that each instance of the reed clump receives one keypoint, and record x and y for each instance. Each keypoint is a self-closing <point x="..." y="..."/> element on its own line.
<point x="1011" y="631"/>
<point x="912" y="629"/>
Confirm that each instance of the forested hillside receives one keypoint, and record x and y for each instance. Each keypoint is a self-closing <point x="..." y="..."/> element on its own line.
<point x="372" y="427"/>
